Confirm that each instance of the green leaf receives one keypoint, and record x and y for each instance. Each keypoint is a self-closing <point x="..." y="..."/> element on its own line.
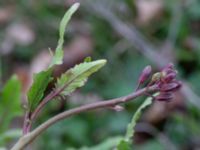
<point x="10" y="102"/>
<point x="130" y="129"/>
<point x="42" y="79"/>
<point x="77" y="76"/>
<point x="58" y="57"/>
<point x="126" y="142"/>
<point x="36" y="91"/>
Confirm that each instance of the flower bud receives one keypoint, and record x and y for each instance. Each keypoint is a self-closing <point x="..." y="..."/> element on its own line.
<point x="178" y="86"/>
<point x="145" y="74"/>
<point x="166" y="82"/>
<point x="170" y="65"/>
<point x="170" y="77"/>
<point x="167" y="70"/>
<point x="170" y="87"/>
<point x="164" y="96"/>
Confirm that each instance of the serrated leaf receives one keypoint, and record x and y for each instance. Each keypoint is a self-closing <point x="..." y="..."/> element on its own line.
<point x="77" y="76"/>
<point x="36" y="91"/>
<point x="58" y="56"/>
<point x="42" y="79"/>
<point x="10" y="102"/>
<point x="130" y="128"/>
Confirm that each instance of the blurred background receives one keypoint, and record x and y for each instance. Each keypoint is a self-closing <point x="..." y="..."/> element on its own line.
<point x="130" y="34"/>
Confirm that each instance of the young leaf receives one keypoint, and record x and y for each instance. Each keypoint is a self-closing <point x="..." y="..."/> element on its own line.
<point x="77" y="76"/>
<point x="42" y="79"/>
<point x="10" y="106"/>
<point x="126" y="142"/>
<point x="36" y="91"/>
<point x="130" y="129"/>
<point x="58" y="57"/>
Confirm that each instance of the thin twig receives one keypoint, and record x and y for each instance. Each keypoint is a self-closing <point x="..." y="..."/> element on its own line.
<point x="28" y="138"/>
<point x="48" y="98"/>
<point x="26" y="123"/>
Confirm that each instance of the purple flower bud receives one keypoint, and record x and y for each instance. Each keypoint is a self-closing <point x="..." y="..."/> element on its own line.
<point x="166" y="82"/>
<point x="167" y="70"/>
<point x="145" y="74"/>
<point x="178" y="86"/>
<point x="164" y="96"/>
<point x="170" y="65"/>
<point x="170" y="87"/>
<point x="170" y="77"/>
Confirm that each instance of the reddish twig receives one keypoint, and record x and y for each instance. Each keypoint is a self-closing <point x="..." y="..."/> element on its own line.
<point x="29" y="137"/>
<point x="48" y="98"/>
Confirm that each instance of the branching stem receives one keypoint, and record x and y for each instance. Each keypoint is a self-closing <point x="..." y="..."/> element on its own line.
<point x="49" y="97"/>
<point x="29" y="137"/>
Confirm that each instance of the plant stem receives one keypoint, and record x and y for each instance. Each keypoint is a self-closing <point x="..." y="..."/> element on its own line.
<point x="49" y="97"/>
<point x="42" y="104"/>
<point x="25" y="124"/>
<point x="28" y="138"/>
